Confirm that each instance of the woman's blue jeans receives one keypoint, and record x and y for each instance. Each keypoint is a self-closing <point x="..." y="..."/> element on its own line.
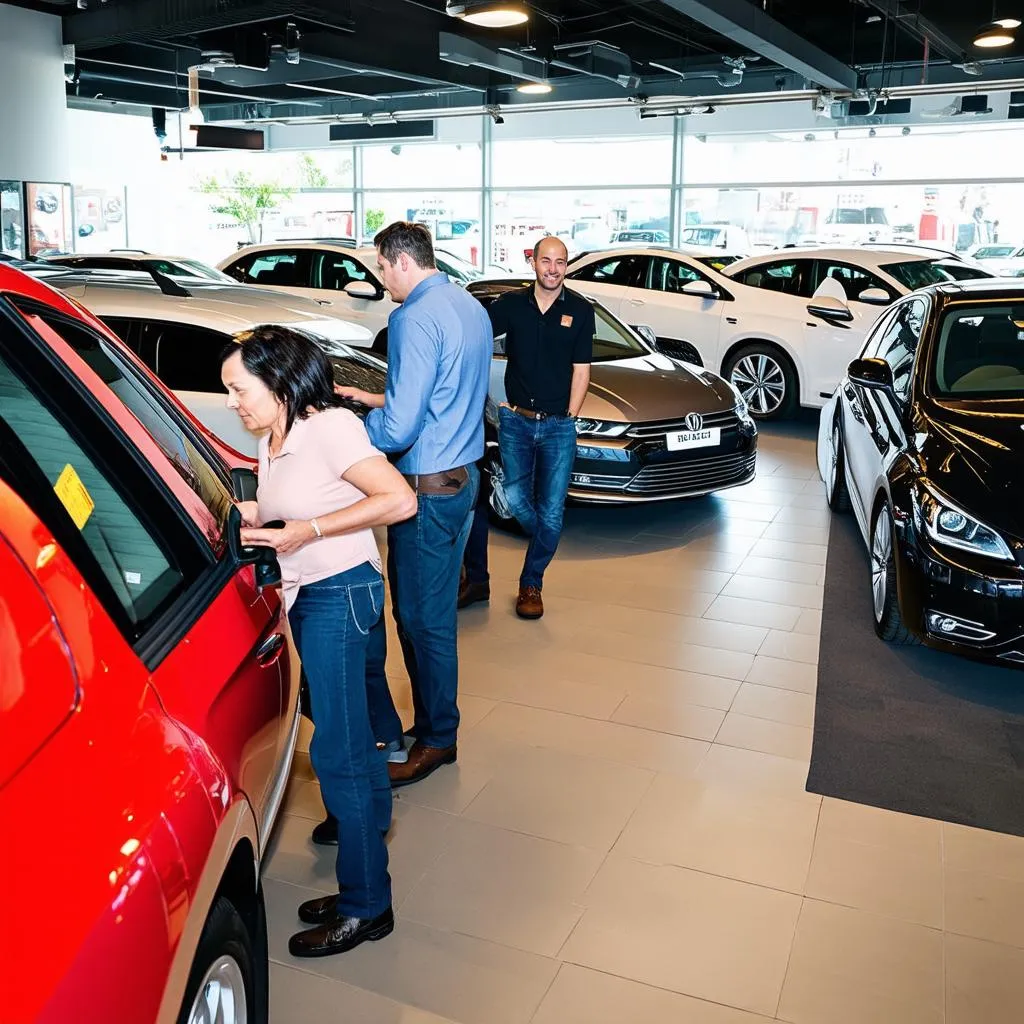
<point x="331" y="622"/>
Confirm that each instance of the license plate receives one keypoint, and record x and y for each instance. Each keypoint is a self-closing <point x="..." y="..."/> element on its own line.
<point x="684" y="439"/>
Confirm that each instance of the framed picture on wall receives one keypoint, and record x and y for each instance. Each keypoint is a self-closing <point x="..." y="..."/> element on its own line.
<point x="101" y="223"/>
<point x="49" y="218"/>
<point x="12" y="220"/>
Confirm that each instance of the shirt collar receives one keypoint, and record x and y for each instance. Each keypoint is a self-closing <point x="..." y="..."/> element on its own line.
<point x="292" y="438"/>
<point x="533" y="297"/>
<point x="434" y="281"/>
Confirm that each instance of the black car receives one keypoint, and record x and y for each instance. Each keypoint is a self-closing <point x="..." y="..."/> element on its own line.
<point x="652" y="428"/>
<point x="924" y="440"/>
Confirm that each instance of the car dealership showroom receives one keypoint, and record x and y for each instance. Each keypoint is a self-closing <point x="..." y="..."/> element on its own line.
<point x="512" y="511"/>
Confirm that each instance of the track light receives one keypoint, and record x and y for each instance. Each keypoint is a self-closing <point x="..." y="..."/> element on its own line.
<point x="534" y="88"/>
<point x="489" y="13"/>
<point x="292" y="35"/>
<point x="495" y="113"/>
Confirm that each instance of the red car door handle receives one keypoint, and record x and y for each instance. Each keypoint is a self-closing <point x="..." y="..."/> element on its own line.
<point x="270" y="650"/>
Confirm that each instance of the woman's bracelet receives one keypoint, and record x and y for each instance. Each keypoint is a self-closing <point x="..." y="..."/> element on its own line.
<point x="316" y="528"/>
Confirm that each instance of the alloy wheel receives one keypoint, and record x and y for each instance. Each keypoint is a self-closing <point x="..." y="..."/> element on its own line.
<point x="761" y="381"/>
<point x="221" y="997"/>
<point x="881" y="553"/>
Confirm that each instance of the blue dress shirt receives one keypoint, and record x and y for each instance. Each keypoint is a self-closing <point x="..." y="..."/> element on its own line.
<point x="440" y="346"/>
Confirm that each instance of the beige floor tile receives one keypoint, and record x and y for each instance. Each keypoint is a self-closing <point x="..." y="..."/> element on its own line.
<point x="607" y="741"/>
<point x="671" y="716"/>
<point x="809" y="623"/>
<point x="753" y="613"/>
<point x="812" y="554"/>
<point x="985" y="907"/>
<point x="303" y="799"/>
<point x="790" y="646"/>
<point x="473" y="710"/>
<point x="453" y="788"/>
<point x="512" y="684"/>
<point x="883" y="880"/>
<point x="581" y="996"/>
<point x="850" y="967"/>
<point x="704" y="658"/>
<point x="457" y="977"/>
<point x="722" y="830"/>
<point x="756" y="772"/>
<point x="292" y="856"/>
<point x="796" y="595"/>
<point x="670" y="686"/>
<point x="984" y="982"/>
<point x="810" y="499"/>
<point x="731" y="507"/>
<point x="766" y="736"/>
<point x="797" y="533"/>
<point x="784" y="674"/>
<point x="302" y="997"/>
<point x="713" y="938"/>
<point x="786" y="706"/>
<point x="860" y="823"/>
<point x="816" y="517"/>
<point x="975" y="849"/>
<point x="563" y="797"/>
<point x="780" y="569"/>
<point x="505" y="887"/>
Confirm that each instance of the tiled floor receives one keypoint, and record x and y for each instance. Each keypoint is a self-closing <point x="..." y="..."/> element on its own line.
<point x="626" y="837"/>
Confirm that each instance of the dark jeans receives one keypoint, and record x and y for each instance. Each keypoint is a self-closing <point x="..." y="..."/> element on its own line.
<point x="331" y="622"/>
<point x="537" y="458"/>
<point x="475" y="560"/>
<point x="424" y="558"/>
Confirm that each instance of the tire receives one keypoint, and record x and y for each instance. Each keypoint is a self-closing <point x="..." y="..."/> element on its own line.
<point x="497" y="509"/>
<point x="223" y="984"/>
<point x="836" y="493"/>
<point x="884" y="592"/>
<point x="766" y="378"/>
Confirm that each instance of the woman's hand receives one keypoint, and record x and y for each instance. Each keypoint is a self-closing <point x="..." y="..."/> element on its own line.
<point x="250" y="512"/>
<point x="295" y="533"/>
<point x="354" y="394"/>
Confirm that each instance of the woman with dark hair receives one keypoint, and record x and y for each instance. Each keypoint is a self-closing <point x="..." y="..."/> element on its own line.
<point x="319" y="473"/>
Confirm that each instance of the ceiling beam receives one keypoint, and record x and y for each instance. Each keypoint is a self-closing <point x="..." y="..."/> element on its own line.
<point x="145" y="20"/>
<point x="920" y="28"/>
<point x="758" y="32"/>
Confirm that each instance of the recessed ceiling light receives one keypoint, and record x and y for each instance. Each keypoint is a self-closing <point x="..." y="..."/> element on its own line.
<point x="490" y="13"/>
<point x="534" y="88"/>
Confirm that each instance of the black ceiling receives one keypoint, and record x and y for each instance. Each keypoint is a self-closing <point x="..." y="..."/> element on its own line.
<point x="365" y="56"/>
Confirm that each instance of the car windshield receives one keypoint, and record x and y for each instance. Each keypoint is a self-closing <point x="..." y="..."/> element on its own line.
<point x="980" y="352"/>
<point x="847" y="217"/>
<point x="613" y="340"/>
<point x="717" y="262"/>
<point x="989" y="252"/>
<point x="914" y="274"/>
<point x="702" y="236"/>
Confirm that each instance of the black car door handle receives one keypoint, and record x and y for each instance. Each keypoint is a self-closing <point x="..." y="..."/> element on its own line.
<point x="270" y="650"/>
<point x="731" y="320"/>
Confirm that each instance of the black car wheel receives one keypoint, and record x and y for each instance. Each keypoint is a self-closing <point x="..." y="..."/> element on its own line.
<point x="766" y="378"/>
<point x="885" y="599"/>
<point x="836" y="494"/>
<point x="222" y="986"/>
<point x="498" y="513"/>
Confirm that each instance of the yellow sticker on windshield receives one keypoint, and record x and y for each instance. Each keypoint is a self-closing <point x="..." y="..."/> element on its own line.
<point x="74" y="497"/>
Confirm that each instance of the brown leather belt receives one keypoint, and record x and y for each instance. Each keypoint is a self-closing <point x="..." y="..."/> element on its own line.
<point x="532" y="414"/>
<point x="448" y="481"/>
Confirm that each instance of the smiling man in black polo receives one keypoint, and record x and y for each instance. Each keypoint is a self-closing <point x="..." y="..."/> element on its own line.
<point x="549" y="337"/>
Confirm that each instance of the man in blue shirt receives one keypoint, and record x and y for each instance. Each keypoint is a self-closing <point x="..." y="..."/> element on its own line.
<point x="431" y="414"/>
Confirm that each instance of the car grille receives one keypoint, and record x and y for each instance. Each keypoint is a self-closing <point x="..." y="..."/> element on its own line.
<point x="651" y="431"/>
<point x="692" y="476"/>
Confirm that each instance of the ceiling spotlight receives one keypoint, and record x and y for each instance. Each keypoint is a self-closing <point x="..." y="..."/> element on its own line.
<point x="534" y="88"/>
<point x="489" y="13"/>
<point x="906" y="131"/>
<point x="292" y="37"/>
<point x="872" y="132"/>
<point x="994" y="35"/>
<point x="1010" y="23"/>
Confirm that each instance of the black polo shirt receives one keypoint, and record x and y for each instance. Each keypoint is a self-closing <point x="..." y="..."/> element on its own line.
<point x="541" y="348"/>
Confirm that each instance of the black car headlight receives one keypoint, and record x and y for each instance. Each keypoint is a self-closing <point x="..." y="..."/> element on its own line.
<point x="599" y="428"/>
<point x="948" y="525"/>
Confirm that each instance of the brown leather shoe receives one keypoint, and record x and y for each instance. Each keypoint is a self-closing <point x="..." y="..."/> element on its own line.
<point x="529" y="604"/>
<point x="423" y="761"/>
<point x="471" y="593"/>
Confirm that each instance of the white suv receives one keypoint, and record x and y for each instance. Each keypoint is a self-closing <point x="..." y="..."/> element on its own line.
<point x="781" y="327"/>
<point x="339" y="276"/>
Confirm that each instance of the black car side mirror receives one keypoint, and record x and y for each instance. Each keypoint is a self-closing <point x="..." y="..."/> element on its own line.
<point x="871" y="373"/>
<point x="262" y="558"/>
<point x="243" y="484"/>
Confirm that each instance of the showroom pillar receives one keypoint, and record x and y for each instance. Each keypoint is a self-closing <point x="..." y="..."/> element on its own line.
<point x="677" y="209"/>
<point x="33" y="111"/>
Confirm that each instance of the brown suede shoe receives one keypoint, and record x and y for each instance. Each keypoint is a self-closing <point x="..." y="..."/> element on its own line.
<point x="423" y="761"/>
<point x="471" y="593"/>
<point x="529" y="604"/>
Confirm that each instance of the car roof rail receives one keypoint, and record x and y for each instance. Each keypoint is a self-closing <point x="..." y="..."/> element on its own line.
<point x="336" y="239"/>
<point x="166" y="284"/>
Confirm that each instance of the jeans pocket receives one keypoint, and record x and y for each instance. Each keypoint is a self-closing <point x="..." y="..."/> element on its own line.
<point x="366" y="603"/>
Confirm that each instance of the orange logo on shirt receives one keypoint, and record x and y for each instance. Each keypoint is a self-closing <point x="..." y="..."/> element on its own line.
<point x="567" y="321"/>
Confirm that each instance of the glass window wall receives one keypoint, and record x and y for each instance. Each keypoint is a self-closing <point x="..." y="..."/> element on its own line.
<point x="553" y="162"/>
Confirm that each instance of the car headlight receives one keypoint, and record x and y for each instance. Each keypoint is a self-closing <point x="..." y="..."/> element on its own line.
<point x="600" y="428"/>
<point x="947" y="524"/>
<point x="740" y="408"/>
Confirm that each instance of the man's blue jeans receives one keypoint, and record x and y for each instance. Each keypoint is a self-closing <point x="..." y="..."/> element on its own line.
<point x="331" y="622"/>
<point x="537" y="458"/>
<point x="424" y="562"/>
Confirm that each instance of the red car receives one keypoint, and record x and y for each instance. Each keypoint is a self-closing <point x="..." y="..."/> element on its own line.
<point x="148" y="707"/>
